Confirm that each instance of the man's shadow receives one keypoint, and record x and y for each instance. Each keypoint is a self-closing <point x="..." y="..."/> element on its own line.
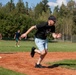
<point x="60" y="64"/>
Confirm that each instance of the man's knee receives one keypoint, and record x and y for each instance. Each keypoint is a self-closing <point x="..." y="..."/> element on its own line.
<point x="44" y="52"/>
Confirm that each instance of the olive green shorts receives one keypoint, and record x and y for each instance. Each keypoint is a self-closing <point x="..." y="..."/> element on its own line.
<point x="17" y="39"/>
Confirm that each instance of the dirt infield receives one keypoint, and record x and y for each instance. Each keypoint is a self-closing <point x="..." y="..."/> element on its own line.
<point x="22" y="62"/>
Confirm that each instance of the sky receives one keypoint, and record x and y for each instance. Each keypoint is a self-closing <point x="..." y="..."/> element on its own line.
<point x="32" y="3"/>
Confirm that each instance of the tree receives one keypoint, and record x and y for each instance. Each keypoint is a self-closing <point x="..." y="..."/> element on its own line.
<point x="56" y="11"/>
<point x="20" y="7"/>
<point x="44" y="16"/>
<point x="10" y="6"/>
<point x="63" y="11"/>
<point x="0" y="5"/>
<point x="38" y="9"/>
<point x="41" y="7"/>
<point x="26" y="7"/>
<point x="72" y="12"/>
<point x="45" y="6"/>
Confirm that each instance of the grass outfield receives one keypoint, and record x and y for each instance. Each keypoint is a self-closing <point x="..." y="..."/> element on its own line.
<point x="9" y="46"/>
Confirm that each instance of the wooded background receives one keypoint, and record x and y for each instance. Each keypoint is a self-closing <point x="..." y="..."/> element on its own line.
<point x="20" y="16"/>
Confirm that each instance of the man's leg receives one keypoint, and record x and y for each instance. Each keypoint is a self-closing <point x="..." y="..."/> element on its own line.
<point x="18" y="43"/>
<point x="42" y="46"/>
<point x="42" y="55"/>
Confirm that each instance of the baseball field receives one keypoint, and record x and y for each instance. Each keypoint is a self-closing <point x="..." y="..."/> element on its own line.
<point x="60" y="60"/>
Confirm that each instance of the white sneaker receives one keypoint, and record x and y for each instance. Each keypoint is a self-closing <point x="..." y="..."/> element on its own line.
<point x="18" y="46"/>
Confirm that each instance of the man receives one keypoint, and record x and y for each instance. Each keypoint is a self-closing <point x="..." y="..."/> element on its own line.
<point x="41" y="38"/>
<point x="17" y="38"/>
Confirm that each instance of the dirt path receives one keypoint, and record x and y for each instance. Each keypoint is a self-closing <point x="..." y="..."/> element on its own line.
<point x="22" y="62"/>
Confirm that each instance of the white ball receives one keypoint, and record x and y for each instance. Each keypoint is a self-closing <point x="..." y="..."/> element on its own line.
<point x="0" y="57"/>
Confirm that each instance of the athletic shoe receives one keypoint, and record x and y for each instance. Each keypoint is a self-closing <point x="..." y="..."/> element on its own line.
<point x="32" y="51"/>
<point x="18" y="46"/>
<point x="38" y="66"/>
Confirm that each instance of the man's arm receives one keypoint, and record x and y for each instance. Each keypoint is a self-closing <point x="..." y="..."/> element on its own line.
<point x="28" y="31"/>
<point x="14" y="36"/>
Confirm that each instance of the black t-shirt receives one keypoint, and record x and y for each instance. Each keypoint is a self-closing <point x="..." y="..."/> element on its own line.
<point x="43" y="29"/>
<point x="17" y="35"/>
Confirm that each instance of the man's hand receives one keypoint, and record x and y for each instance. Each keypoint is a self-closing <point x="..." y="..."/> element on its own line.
<point x="58" y="35"/>
<point x="23" y="35"/>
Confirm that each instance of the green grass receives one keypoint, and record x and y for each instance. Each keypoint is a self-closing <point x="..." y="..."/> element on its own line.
<point x="70" y="64"/>
<point x="62" y="47"/>
<point x="9" y="46"/>
<point x="8" y="72"/>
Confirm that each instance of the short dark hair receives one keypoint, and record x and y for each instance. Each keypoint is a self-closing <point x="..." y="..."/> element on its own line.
<point x="52" y="18"/>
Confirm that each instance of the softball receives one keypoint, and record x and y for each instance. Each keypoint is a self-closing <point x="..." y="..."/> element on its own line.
<point x="0" y="57"/>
